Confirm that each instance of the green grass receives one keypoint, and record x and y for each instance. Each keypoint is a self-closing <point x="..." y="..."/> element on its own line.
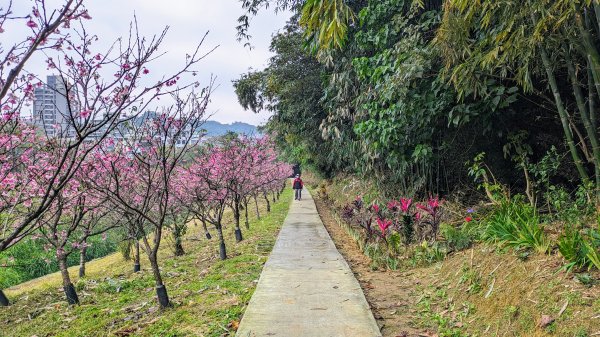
<point x="27" y="260"/>
<point x="209" y="295"/>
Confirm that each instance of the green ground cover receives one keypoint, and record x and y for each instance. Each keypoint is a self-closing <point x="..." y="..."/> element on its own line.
<point x="209" y="295"/>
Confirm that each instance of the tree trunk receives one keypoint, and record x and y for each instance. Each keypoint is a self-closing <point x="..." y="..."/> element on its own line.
<point x="592" y="110"/>
<point x="68" y="287"/>
<point x="82" y="260"/>
<point x="246" y="213"/>
<point x="564" y="119"/>
<point x="179" y="249"/>
<point x="222" y="248"/>
<point x="136" y="258"/>
<point x="177" y="237"/>
<point x="597" y="13"/>
<point x="267" y="200"/>
<point x="529" y="191"/>
<point x="236" y="215"/>
<point x="4" y="302"/>
<point x="591" y="99"/>
<point x="161" y="290"/>
<point x="273" y="196"/>
<point x="256" y="205"/>
<point x="206" y="232"/>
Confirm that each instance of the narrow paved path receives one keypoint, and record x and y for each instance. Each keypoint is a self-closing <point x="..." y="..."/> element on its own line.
<point x="306" y="287"/>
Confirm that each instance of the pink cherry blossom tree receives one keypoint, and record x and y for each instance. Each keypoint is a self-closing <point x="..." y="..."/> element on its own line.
<point x="138" y="175"/>
<point x="75" y="216"/>
<point x="132" y="221"/>
<point x="16" y="91"/>
<point x="178" y="215"/>
<point x="209" y="195"/>
<point x="96" y="104"/>
<point x="263" y="172"/>
<point x="227" y="173"/>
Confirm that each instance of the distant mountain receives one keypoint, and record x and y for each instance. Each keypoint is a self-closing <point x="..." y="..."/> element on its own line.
<point x="214" y="128"/>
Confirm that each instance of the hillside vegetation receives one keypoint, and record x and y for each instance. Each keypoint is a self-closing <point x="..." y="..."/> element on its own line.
<point x="209" y="295"/>
<point x="481" y="288"/>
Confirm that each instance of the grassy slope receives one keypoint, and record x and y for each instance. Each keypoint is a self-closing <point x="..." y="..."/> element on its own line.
<point x="451" y="297"/>
<point x="209" y="295"/>
<point x="493" y="293"/>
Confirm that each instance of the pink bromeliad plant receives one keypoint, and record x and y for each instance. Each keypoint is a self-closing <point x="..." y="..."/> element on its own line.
<point x="432" y="210"/>
<point x="384" y="225"/>
<point x="403" y="209"/>
<point x="404" y="216"/>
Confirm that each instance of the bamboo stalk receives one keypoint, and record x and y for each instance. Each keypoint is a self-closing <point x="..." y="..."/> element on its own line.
<point x="585" y="117"/>
<point x="591" y="52"/>
<point x="563" y="115"/>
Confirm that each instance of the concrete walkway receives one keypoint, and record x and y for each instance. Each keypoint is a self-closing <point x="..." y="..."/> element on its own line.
<point x="306" y="287"/>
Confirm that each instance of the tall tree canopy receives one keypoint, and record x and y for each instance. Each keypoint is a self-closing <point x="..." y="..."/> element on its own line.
<point x="408" y="91"/>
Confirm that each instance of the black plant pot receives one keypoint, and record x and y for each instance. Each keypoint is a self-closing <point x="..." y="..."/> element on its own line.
<point x="222" y="251"/>
<point x="3" y="299"/>
<point x="71" y="294"/>
<point x="137" y="267"/>
<point x="208" y="236"/>
<point x="163" y="297"/>
<point x="238" y="235"/>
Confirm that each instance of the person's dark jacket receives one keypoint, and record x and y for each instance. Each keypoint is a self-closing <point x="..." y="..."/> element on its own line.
<point x="298" y="184"/>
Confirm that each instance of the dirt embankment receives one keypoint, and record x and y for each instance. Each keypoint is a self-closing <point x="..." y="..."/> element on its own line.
<point x="477" y="292"/>
<point x="389" y="293"/>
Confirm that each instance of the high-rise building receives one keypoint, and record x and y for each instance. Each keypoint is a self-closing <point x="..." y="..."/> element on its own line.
<point x="51" y="108"/>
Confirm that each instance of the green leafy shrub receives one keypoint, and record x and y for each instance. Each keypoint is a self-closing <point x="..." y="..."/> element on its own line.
<point x="373" y="251"/>
<point x="586" y="279"/>
<point x="580" y="250"/>
<point x="516" y="224"/>
<point x="392" y="263"/>
<point x="125" y="248"/>
<point x="427" y="253"/>
<point x="394" y="242"/>
<point x="572" y="247"/>
<point x="9" y="277"/>
<point x="569" y="207"/>
<point x="592" y="247"/>
<point x="407" y="228"/>
<point x="459" y="238"/>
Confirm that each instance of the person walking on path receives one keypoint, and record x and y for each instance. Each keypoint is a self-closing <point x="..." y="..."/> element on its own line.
<point x="297" y="185"/>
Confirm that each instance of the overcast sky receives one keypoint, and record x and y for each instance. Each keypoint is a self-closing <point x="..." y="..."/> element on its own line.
<point x="188" y="21"/>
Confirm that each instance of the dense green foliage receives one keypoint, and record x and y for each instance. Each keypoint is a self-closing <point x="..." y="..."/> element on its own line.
<point x="434" y="97"/>
<point x="381" y="105"/>
<point x="292" y="86"/>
